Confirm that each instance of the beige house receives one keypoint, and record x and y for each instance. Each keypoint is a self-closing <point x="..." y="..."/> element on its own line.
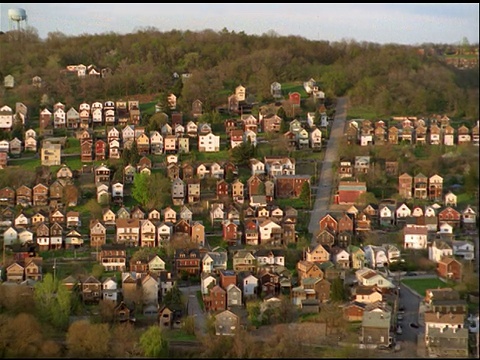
<point x="51" y="154"/>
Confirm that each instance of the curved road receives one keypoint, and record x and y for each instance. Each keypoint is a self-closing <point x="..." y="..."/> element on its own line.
<point x="325" y="182"/>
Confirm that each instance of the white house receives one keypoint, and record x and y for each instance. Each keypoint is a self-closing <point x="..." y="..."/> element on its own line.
<point x="369" y="277"/>
<point x="415" y="236"/>
<point x="6" y="117"/>
<point x="207" y="280"/>
<point x="257" y="166"/>
<point x="10" y="236"/>
<point x="375" y="256"/>
<point x="438" y="249"/>
<point x="402" y="212"/>
<point x="209" y="143"/>
<point x="109" y="290"/>
<point x="249" y="285"/>
<point x="266" y="228"/>
<point x="464" y="249"/>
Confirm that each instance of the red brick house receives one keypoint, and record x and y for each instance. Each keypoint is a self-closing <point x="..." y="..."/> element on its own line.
<point x="7" y="196"/>
<point x="294" y="98"/>
<point x="227" y="277"/>
<point x="350" y="191"/>
<point x="353" y="311"/>
<point x="288" y="186"/>
<point x="188" y="261"/>
<point x="100" y="149"/>
<point x="253" y="185"/>
<point x="345" y="223"/>
<point x="328" y="222"/>
<point x="216" y="300"/>
<point x="450" y="268"/>
<point x="230" y="231"/>
<point x="222" y="188"/>
<point x="450" y="216"/>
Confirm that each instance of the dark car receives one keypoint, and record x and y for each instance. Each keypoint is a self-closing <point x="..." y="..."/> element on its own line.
<point x="383" y="347"/>
<point x="414" y="325"/>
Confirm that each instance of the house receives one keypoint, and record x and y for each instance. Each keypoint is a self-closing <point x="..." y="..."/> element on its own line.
<point x="415" y="236"/>
<point x="349" y="192"/>
<point x="315" y="139"/>
<point x="376" y="256"/>
<point x="450" y="216"/>
<point x="197" y="233"/>
<point x="367" y="294"/>
<point x="91" y="290"/>
<point x="98" y="233"/>
<point x="234" y="295"/>
<point x="164" y="233"/>
<point x="178" y="191"/>
<point x="113" y="257"/>
<point x="50" y="154"/>
<point x="227" y="323"/>
<point x="150" y="290"/>
<point x="448" y="342"/>
<point x="439" y="249"/>
<point x="15" y="272"/>
<point x="405" y="186"/>
<point x="128" y="231"/>
<point x="353" y="311"/>
<point x="376" y="323"/>
<point x="450" y="268"/>
<point x="110" y="290"/>
<point x="208" y="143"/>
<point x="40" y="195"/>
<point x="243" y="260"/>
<point x="469" y="218"/>
<point x="73" y="240"/>
<point x="463" y="249"/>
<point x="317" y="254"/>
<point x="290" y="186"/>
<point x="369" y="277"/>
<point x="207" y="281"/>
<point x="187" y="261"/>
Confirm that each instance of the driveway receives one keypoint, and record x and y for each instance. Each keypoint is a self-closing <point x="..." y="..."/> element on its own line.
<point x="324" y="190"/>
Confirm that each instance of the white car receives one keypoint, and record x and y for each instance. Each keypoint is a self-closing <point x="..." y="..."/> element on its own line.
<point x="399" y="330"/>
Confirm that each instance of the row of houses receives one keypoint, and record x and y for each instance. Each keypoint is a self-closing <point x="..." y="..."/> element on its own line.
<point x="365" y="133"/>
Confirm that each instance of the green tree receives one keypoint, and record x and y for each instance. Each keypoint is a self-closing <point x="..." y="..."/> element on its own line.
<point x="241" y="154"/>
<point x="338" y="292"/>
<point x="305" y="194"/>
<point x="53" y="301"/>
<point x="153" y="342"/>
<point x="140" y="189"/>
<point x="134" y="155"/>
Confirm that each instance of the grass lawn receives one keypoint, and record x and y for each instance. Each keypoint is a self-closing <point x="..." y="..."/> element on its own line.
<point x="421" y="285"/>
<point x="363" y="112"/>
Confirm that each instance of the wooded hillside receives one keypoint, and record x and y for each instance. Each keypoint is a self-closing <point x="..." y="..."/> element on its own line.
<point x="395" y="79"/>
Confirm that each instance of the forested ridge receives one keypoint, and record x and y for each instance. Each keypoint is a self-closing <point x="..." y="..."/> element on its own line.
<point x="394" y="79"/>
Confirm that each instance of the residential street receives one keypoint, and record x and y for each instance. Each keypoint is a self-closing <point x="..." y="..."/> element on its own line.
<point x="325" y="183"/>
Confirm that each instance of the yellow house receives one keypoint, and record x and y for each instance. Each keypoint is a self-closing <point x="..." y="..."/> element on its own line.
<point x="51" y="154"/>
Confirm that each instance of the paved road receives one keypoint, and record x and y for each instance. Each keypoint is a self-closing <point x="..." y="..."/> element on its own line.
<point x="324" y="190"/>
<point x="194" y="309"/>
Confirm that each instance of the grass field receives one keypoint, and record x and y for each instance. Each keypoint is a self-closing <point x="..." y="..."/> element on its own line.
<point x="421" y="285"/>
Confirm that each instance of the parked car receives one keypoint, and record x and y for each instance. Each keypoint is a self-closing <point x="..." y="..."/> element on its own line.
<point x="383" y="347"/>
<point x="399" y="316"/>
<point x="399" y="330"/>
<point x="414" y="325"/>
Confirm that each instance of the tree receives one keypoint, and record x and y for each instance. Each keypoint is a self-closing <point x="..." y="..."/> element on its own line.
<point x="53" y="301"/>
<point x="140" y="188"/>
<point x="241" y="154"/>
<point x="134" y="155"/>
<point x="305" y="194"/>
<point x="338" y="290"/>
<point x="85" y="340"/>
<point x="153" y="343"/>
<point x="151" y="191"/>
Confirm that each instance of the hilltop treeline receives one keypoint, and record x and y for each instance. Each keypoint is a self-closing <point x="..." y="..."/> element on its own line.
<point x="394" y="79"/>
